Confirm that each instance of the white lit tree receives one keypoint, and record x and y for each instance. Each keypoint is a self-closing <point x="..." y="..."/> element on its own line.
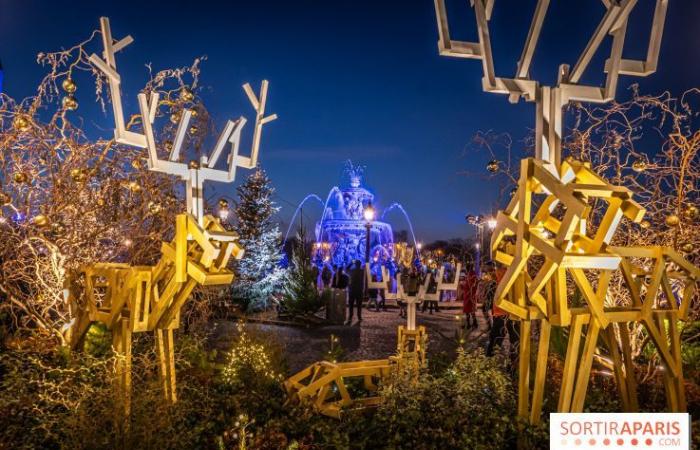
<point x="259" y="273"/>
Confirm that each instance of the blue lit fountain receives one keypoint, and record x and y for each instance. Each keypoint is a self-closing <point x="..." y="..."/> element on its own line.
<point x="341" y="234"/>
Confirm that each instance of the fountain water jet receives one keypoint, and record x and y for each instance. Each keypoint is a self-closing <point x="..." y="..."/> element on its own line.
<point x="296" y="213"/>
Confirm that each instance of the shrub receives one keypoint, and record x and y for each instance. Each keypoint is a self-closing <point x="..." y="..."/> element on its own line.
<point x="470" y="406"/>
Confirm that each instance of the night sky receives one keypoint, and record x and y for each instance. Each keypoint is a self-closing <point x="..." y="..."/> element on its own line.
<point x="349" y="79"/>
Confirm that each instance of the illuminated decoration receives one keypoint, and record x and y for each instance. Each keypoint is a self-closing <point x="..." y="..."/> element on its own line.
<point x="130" y="299"/>
<point x="639" y="165"/>
<point x="343" y="225"/>
<point x="323" y="385"/>
<point x="549" y="217"/>
<point x="196" y="172"/>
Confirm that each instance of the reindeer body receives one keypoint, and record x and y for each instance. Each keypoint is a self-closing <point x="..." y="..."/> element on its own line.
<point x="569" y="245"/>
<point x="131" y="299"/>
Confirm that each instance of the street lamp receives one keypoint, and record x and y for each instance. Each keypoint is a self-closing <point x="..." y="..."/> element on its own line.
<point x="478" y="222"/>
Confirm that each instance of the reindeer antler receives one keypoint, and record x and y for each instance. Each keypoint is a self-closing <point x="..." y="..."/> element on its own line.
<point x="194" y="176"/>
<point x="550" y="100"/>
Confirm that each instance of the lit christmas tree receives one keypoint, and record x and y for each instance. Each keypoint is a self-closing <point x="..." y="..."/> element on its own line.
<point x="259" y="272"/>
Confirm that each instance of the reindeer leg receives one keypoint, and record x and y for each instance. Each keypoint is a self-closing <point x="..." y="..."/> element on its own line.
<point x="166" y="363"/>
<point x="121" y="340"/>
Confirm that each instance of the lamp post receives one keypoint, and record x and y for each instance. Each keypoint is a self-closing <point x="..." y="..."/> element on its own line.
<point x="369" y="217"/>
<point x="478" y="222"/>
<point x="368" y="213"/>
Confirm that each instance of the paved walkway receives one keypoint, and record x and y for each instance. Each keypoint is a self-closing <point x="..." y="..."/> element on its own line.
<point x="373" y="338"/>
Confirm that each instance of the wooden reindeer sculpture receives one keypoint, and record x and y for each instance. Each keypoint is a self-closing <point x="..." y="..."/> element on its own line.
<point x="130" y="299"/>
<point x="566" y="242"/>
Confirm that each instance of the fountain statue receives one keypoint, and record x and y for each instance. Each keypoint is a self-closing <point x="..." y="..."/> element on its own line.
<point x="341" y="234"/>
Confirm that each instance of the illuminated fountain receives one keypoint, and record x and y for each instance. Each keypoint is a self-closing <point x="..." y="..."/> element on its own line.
<point x="341" y="233"/>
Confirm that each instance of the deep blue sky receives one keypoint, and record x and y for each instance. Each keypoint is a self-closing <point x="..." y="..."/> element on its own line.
<point x="356" y="79"/>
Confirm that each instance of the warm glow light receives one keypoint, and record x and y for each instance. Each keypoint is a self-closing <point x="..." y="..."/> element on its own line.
<point x="223" y="213"/>
<point x="419" y="246"/>
<point x="369" y="213"/>
<point x="491" y="223"/>
<point x="476" y="246"/>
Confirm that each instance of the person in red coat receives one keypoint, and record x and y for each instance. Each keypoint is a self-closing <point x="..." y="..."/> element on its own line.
<point x="468" y="285"/>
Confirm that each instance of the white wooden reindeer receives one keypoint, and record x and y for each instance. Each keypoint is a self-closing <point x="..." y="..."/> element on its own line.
<point x="193" y="175"/>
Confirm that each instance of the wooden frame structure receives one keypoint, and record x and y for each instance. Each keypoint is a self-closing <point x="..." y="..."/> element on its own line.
<point x="549" y="218"/>
<point x="148" y="106"/>
<point x="133" y="299"/>
<point x="323" y="384"/>
<point x="130" y="299"/>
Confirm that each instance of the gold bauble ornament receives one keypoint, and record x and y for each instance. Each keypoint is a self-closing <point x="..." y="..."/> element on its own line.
<point x="21" y="123"/>
<point x="687" y="247"/>
<point x="134" y="186"/>
<point x="40" y="221"/>
<point x="492" y="166"/>
<point x="58" y="228"/>
<point x="644" y="224"/>
<point x="194" y="129"/>
<point x="154" y="207"/>
<point x="186" y="95"/>
<point x="692" y="212"/>
<point x="78" y="175"/>
<point x="639" y="165"/>
<point x="100" y="202"/>
<point x="5" y="199"/>
<point x="20" y="177"/>
<point x="136" y="164"/>
<point x="194" y="113"/>
<point x="69" y="86"/>
<point x="69" y="103"/>
<point x="193" y="164"/>
<point x="168" y="145"/>
<point x="223" y="203"/>
<point x="672" y="220"/>
<point x="175" y="118"/>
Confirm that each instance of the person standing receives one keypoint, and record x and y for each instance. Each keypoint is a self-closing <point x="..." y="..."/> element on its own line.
<point x="326" y="275"/>
<point x="402" y="278"/>
<point x="378" y="294"/>
<point x="432" y="289"/>
<point x="502" y="325"/>
<point x="356" y="291"/>
<point x="467" y="294"/>
<point x="340" y="279"/>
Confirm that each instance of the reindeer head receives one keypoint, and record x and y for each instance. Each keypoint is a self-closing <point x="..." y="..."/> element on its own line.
<point x="550" y="100"/>
<point x="194" y="175"/>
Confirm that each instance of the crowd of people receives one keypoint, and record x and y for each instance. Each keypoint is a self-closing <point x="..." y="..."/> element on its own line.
<point x="474" y="291"/>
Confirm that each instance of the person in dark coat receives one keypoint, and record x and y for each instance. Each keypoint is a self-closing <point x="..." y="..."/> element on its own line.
<point x="356" y="291"/>
<point x="326" y="275"/>
<point x="432" y="289"/>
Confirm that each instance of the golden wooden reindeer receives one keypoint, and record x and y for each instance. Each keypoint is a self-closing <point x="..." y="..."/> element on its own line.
<point x="130" y="299"/>
<point x="549" y="219"/>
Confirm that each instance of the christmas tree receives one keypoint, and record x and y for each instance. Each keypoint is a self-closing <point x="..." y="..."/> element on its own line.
<point x="300" y="296"/>
<point x="259" y="274"/>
